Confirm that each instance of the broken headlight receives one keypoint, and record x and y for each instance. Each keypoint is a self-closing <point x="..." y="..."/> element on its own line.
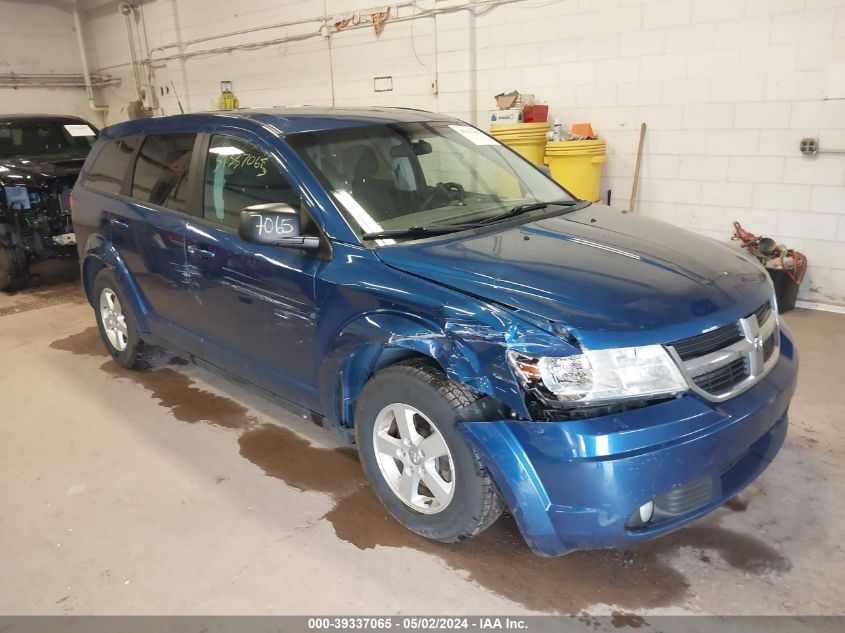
<point x="601" y="376"/>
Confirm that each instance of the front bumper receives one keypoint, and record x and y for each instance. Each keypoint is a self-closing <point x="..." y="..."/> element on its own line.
<point x="573" y="485"/>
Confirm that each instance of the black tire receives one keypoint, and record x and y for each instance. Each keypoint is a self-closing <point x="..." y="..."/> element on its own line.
<point x="137" y="355"/>
<point x="476" y="503"/>
<point x="14" y="269"/>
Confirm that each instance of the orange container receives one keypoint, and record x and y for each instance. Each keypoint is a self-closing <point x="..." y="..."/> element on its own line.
<point x="583" y="129"/>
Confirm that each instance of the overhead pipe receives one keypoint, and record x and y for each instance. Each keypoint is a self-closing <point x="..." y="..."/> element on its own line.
<point x="86" y="72"/>
<point x="128" y="13"/>
<point x="144" y="50"/>
<point x="255" y="29"/>
<point x="473" y="70"/>
<point x="319" y="21"/>
<point x="51" y="80"/>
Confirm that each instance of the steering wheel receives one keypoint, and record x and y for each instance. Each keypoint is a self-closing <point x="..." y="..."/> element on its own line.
<point x="449" y="188"/>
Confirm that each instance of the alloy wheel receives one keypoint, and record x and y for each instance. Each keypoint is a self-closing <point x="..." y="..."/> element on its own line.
<point x="413" y="458"/>
<point x="114" y="321"/>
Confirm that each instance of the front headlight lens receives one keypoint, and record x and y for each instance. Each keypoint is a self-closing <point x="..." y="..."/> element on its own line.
<point x="601" y="376"/>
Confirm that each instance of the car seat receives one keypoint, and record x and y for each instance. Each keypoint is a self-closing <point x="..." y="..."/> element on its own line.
<point x="378" y="196"/>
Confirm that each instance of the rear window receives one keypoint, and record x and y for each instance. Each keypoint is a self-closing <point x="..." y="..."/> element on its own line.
<point x="110" y="166"/>
<point x="162" y="169"/>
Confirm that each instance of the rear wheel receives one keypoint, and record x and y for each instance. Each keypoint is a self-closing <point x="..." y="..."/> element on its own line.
<point x="14" y="269"/>
<point x="420" y="467"/>
<point x="117" y="325"/>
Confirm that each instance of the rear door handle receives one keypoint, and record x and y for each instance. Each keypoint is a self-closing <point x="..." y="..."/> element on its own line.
<point x="119" y="224"/>
<point x="200" y="252"/>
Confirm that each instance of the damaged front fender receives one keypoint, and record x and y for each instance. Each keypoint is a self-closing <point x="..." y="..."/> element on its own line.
<point x="470" y="348"/>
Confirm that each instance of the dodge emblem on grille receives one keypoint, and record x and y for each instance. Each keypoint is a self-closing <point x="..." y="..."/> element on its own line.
<point x="726" y="372"/>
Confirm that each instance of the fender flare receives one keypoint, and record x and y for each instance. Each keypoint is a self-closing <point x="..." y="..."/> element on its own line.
<point x="361" y="343"/>
<point x="101" y="253"/>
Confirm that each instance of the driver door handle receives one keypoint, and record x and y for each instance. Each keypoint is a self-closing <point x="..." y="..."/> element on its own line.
<point x="195" y="250"/>
<point x="119" y="224"/>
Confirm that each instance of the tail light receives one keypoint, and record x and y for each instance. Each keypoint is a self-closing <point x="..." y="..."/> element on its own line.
<point x="70" y="201"/>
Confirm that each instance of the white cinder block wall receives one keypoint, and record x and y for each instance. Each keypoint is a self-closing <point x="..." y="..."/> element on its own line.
<point x="727" y="87"/>
<point x="35" y="38"/>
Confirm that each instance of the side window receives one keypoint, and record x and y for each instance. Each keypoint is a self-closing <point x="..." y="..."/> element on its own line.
<point x="238" y="175"/>
<point x="109" y="168"/>
<point x="162" y="169"/>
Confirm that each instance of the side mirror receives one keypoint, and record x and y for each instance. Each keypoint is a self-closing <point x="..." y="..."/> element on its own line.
<point x="274" y="224"/>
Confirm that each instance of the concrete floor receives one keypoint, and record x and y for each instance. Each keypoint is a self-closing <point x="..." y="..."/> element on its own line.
<point x="175" y="492"/>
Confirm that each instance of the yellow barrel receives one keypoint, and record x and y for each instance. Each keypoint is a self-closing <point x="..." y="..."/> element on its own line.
<point x="527" y="139"/>
<point x="577" y="166"/>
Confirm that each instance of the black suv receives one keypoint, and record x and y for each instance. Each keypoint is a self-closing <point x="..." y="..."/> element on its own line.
<point x="40" y="158"/>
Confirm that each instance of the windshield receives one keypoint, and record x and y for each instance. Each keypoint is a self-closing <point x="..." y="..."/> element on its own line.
<point x="433" y="174"/>
<point x="68" y="139"/>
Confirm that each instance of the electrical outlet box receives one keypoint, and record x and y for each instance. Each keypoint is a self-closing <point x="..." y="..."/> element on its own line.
<point x="809" y="146"/>
<point x="383" y="84"/>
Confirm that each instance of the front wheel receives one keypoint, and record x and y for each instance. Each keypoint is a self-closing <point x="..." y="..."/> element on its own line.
<point x="420" y="467"/>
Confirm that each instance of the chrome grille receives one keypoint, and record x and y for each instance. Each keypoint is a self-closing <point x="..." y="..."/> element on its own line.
<point x="724" y="377"/>
<point x="726" y="361"/>
<point x="709" y="342"/>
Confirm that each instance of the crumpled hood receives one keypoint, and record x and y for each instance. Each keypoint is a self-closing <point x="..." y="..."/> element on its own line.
<point x="36" y="172"/>
<point x="612" y="278"/>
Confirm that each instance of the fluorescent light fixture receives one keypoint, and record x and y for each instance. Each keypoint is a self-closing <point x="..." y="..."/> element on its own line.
<point x="226" y="150"/>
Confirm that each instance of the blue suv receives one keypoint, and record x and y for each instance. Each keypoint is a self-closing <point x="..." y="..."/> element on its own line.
<point x="488" y="341"/>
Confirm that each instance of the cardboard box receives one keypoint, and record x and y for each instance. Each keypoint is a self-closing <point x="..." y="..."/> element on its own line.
<point x="504" y="102"/>
<point x="511" y="115"/>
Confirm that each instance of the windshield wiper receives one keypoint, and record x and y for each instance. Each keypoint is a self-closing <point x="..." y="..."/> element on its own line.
<point x="525" y="208"/>
<point x="442" y="229"/>
<point x="418" y="231"/>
